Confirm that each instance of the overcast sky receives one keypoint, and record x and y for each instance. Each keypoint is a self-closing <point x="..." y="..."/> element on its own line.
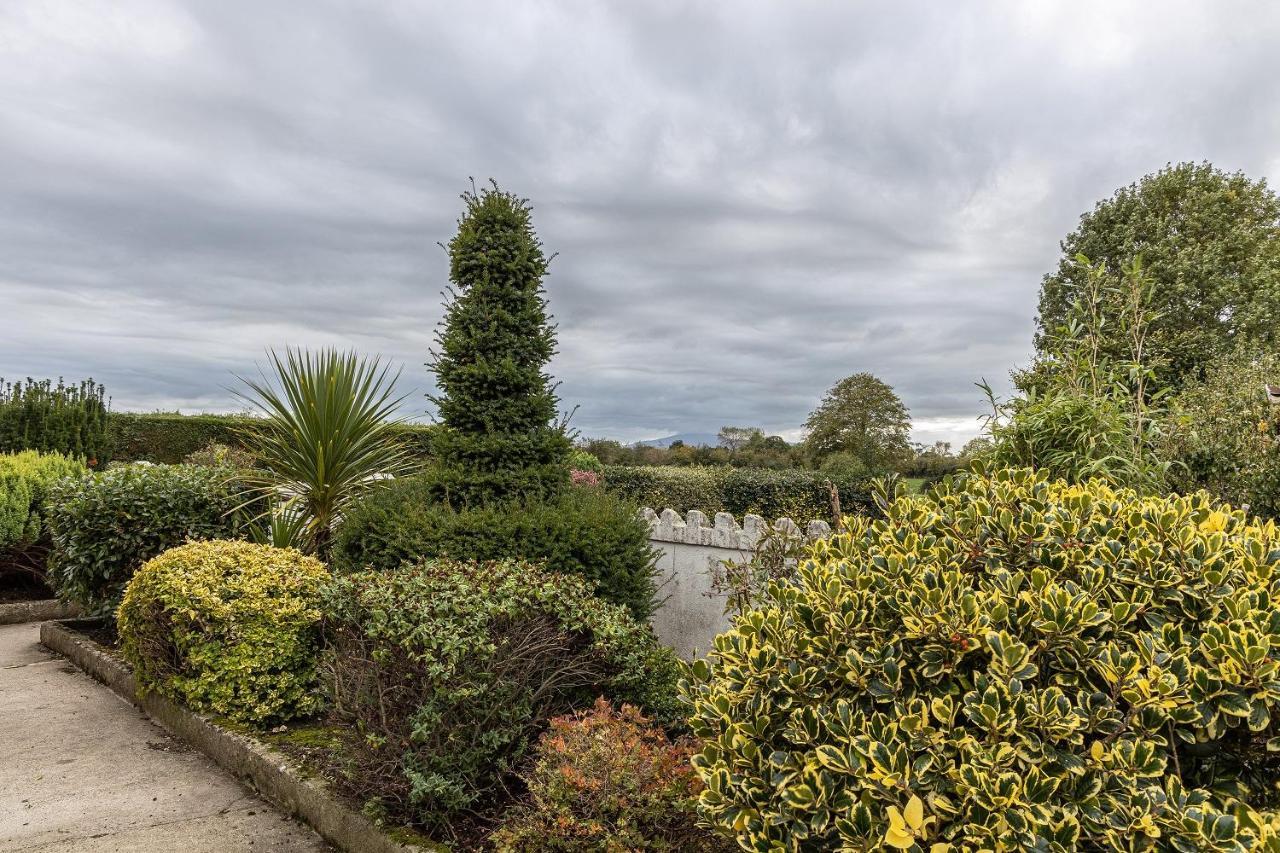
<point x="749" y="200"/>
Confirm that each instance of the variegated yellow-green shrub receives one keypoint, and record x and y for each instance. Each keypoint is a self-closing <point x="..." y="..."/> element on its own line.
<point x="1004" y="665"/>
<point x="228" y="628"/>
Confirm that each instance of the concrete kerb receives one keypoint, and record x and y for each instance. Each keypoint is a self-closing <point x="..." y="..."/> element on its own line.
<point x="268" y="771"/>
<point x="17" y="612"/>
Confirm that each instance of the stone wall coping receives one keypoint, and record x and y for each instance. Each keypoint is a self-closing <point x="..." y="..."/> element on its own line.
<point x="723" y="530"/>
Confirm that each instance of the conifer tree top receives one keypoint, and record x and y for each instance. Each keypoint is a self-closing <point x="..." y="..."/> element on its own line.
<point x="497" y="404"/>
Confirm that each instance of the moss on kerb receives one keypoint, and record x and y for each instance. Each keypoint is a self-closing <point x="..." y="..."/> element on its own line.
<point x="724" y="530"/>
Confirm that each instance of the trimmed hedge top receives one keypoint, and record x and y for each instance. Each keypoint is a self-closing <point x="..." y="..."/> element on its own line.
<point x="170" y="438"/>
<point x="796" y="493"/>
<point x="1007" y="663"/>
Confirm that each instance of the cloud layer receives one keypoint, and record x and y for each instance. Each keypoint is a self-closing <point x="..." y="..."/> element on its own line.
<point x="749" y="200"/>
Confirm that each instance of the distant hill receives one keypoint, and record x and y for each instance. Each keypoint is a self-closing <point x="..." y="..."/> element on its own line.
<point x="692" y="439"/>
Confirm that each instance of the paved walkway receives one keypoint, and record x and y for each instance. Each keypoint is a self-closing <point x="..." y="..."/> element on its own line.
<point x="82" y="770"/>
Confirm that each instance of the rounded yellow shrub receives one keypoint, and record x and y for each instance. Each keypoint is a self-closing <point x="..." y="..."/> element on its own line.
<point x="228" y="628"/>
<point x="1006" y="664"/>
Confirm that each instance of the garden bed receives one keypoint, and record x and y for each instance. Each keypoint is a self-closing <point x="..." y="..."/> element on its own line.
<point x="276" y="776"/>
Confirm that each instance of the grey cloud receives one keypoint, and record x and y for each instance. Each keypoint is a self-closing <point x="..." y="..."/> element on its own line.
<point x="749" y="200"/>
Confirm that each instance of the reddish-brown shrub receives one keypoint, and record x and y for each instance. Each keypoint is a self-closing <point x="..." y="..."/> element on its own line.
<point x="608" y="781"/>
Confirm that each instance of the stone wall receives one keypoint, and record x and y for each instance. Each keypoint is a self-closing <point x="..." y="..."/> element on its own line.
<point x="691" y="613"/>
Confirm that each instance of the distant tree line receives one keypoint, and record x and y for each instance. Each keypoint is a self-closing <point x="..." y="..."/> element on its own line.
<point x="861" y="428"/>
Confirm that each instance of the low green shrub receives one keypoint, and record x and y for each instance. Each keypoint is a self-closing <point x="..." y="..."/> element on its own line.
<point x="1007" y="663"/>
<point x="25" y="479"/>
<point x="581" y="460"/>
<point x="217" y="455"/>
<point x="582" y="532"/>
<point x="227" y="628"/>
<point x="449" y="670"/>
<point x="105" y="525"/>
<point x="799" y="494"/>
<point x="608" y="780"/>
<point x="55" y="418"/>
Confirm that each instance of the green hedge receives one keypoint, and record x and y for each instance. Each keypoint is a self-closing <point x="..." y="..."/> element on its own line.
<point x="583" y="532"/>
<point x="799" y="494"/>
<point x="105" y="525"/>
<point x="169" y="438"/>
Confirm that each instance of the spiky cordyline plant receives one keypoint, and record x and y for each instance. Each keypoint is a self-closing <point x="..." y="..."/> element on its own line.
<point x="326" y="440"/>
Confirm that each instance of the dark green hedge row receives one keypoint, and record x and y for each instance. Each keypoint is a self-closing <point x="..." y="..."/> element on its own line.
<point x="797" y="493"/>
<point x="580" y="532"/>
<point x="170" y="438"/>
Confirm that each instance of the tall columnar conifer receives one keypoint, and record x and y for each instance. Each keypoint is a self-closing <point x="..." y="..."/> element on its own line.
<point x="499" y="437"/>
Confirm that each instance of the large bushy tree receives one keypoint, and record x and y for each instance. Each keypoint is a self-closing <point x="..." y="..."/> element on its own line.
<point x="498" y="408"/>
<point x="1209" y="240"/>
<point x="862" y="417"/>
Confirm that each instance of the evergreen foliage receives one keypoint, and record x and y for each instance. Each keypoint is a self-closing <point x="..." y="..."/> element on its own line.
<point x="105" y="525"/>
<point x="61" y="418"/>
<point x="582" y="532"/>
<point x="447" y="671"/>
<point x="497" y="404"/>
<point x="228" y="628"/>
<point x="1007" y="663"/>
<point x="25" y="480"/>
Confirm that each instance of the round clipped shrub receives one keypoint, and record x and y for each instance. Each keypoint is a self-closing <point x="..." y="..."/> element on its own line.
<point x="1007" y="663"/>
<point x="449" y="670"/>
<point x="608" y="780"/>
<point x="228" y="628"/>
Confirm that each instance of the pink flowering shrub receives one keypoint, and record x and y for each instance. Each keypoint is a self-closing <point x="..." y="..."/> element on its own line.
<point x="586" y="479"/>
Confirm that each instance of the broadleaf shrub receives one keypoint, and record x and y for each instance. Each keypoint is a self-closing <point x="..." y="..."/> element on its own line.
<point x="25" y="480"/>
<point x="581" y="532"/>
<point x="1007" y="663"/>
<point x="795" y="493"/>
<point x="105" y="525"/>
<point x="449" y="670"/>
<point x="608" y="780"/>
<point x="229" y="628"/>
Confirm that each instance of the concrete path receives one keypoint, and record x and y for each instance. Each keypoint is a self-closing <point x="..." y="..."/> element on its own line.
<point x="82" y="770"/>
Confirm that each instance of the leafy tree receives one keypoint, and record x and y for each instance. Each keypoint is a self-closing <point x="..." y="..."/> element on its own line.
<point x="1210" y="241"/>
<point x="861" y="416"/>
<point x="734" y="438"/>
<point x="497" y="404"/>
